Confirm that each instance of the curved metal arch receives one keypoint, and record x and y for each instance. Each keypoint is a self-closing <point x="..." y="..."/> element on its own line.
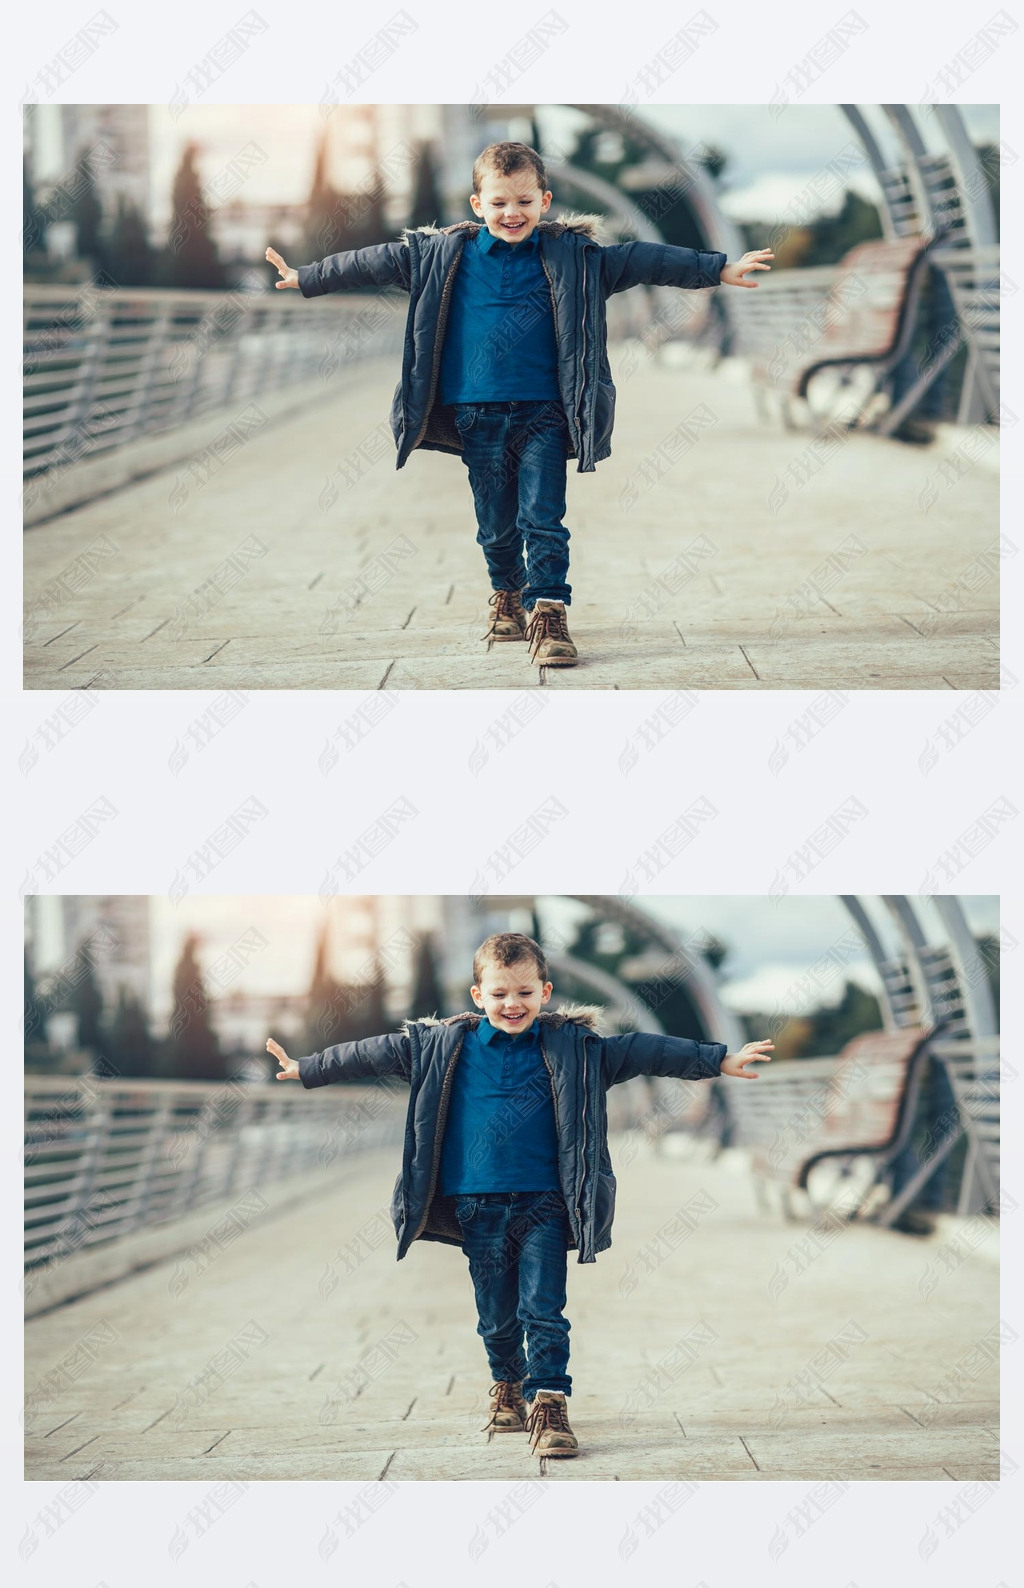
<point x="722" y="233"/>
<point x="606" y="193"/>
<point x="619" y="999"/>
<point x="719" y="1022"/>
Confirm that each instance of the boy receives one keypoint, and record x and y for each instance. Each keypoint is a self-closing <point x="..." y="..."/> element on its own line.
<point x="506" y="1155"/>
<point x="506" y="362"/>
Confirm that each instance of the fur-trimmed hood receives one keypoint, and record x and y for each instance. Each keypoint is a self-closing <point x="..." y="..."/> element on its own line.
<point x="569" y="221"/>
<point x="588" y="1015"/>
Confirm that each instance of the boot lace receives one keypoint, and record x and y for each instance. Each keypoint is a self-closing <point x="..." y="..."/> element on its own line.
<point x="506" y="606"/>
<point x="548" y="625"/>
<point x="552" y="1415"/>
<point x="506" y="1398"/>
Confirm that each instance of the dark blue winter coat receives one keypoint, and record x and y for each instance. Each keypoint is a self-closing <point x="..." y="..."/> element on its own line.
<point x="582" y="1066"/>
<point x="582" y="274"/>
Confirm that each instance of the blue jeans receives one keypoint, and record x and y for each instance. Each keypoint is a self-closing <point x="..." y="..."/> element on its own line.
<point x="515" y="453"/>
<point x="516" y="1243"/>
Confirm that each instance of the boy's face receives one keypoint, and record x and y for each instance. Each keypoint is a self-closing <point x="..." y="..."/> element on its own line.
<point x="510" y="206"/>
<point x="511" y="996"/>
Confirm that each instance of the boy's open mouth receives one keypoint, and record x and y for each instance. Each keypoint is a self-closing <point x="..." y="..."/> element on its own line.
<point x="510" y="226"/>
<point x="514" y="1020"/>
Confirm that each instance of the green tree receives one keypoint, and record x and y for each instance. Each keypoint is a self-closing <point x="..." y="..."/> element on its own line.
<point x="86" y="1002"/>
<point x="426" y="206"/>
<point x="130" y="1043"/>
<point x="130" y="254"/>
<point x="427" y="991"/>
<point x="86" y="214"/>
<point x="191" y="259"/>
<point x="193" y="1049"/>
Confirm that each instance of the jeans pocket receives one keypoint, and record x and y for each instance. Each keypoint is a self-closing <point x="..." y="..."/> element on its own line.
<point x="465" y="1208"/>
<point x="465" y="417"/>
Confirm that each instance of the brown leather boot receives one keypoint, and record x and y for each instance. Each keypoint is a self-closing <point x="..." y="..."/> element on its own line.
<point x="508" y="1411"/>
<point x="508" y="620"/>
<point x="548" y="1426"/>
<point x="548" y="634"/>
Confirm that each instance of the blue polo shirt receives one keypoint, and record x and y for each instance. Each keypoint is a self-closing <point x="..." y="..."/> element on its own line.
<point x="499" y="342"/>
<point x="500" y="1132"/>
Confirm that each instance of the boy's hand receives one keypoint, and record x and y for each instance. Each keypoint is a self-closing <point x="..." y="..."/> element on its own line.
<point x="289" y="1067"/>
<point x="291" y="279"/>
<point x="732" y="275"/>
<point x="736" y="1063"/>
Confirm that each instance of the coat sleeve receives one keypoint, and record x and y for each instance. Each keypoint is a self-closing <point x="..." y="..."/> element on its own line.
<point x="625" y="265"/>
<point x="369" y="1060"/>
<point x="383" y="265"/>
<point x="642" y="1053"/>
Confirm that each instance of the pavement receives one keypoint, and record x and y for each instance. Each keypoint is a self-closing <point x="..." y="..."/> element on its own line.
<point x="710" y="1342"/>
<point x="711" y="550"/>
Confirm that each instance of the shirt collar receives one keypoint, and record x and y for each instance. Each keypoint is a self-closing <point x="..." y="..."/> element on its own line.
<point x="487" y="1033"/>
<point x="486" y="241"/>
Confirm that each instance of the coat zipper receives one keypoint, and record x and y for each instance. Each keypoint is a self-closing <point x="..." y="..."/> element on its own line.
<point x="442" y="321"/>
<point x="583" y="1148"/>
<point x="442" y="1115"/>
<point x="583" y="357"/>
<point x="558" y="1127"/>
<point x="554" y="312"/>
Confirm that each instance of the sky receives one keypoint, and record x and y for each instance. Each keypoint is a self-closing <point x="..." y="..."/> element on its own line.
<point x="771" y="157"/>
<point x="771" y="945"/>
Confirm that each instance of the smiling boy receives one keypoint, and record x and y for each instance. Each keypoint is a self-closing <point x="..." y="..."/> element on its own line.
<point x="515" y="1099"/>
<point x="506" y="364"/>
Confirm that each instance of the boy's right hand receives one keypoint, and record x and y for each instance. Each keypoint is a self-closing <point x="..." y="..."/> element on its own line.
<point x="289" y="1067"/>
<point x="290" y="279"/>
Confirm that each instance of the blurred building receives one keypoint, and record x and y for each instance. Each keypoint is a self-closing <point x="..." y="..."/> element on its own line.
<point x="117" y="929"/>
<point x="116" y="139"/>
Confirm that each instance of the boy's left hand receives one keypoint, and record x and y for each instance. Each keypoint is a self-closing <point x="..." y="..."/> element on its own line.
<point x="732" y="275"/>
<point x="736" y="1063"/>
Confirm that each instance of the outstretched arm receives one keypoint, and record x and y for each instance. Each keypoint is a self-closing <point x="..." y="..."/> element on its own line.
<point x="642" y="1053"/>
<point x="368" y="1060"/>
<point x="383" y="265"/>
<point x="625" y="265"/>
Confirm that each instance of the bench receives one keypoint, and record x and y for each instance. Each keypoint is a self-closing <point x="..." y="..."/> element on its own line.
<point x="829" y="1128"/>
<point x="860" y="327"/>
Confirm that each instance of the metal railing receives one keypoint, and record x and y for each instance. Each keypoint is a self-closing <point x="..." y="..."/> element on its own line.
<point x="104" y="1158"/>
<point x="105" y="365"/>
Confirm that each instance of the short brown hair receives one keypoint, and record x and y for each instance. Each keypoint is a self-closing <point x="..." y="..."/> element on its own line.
<point x="508" y="948"/>
<point x="505" y="159"/>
